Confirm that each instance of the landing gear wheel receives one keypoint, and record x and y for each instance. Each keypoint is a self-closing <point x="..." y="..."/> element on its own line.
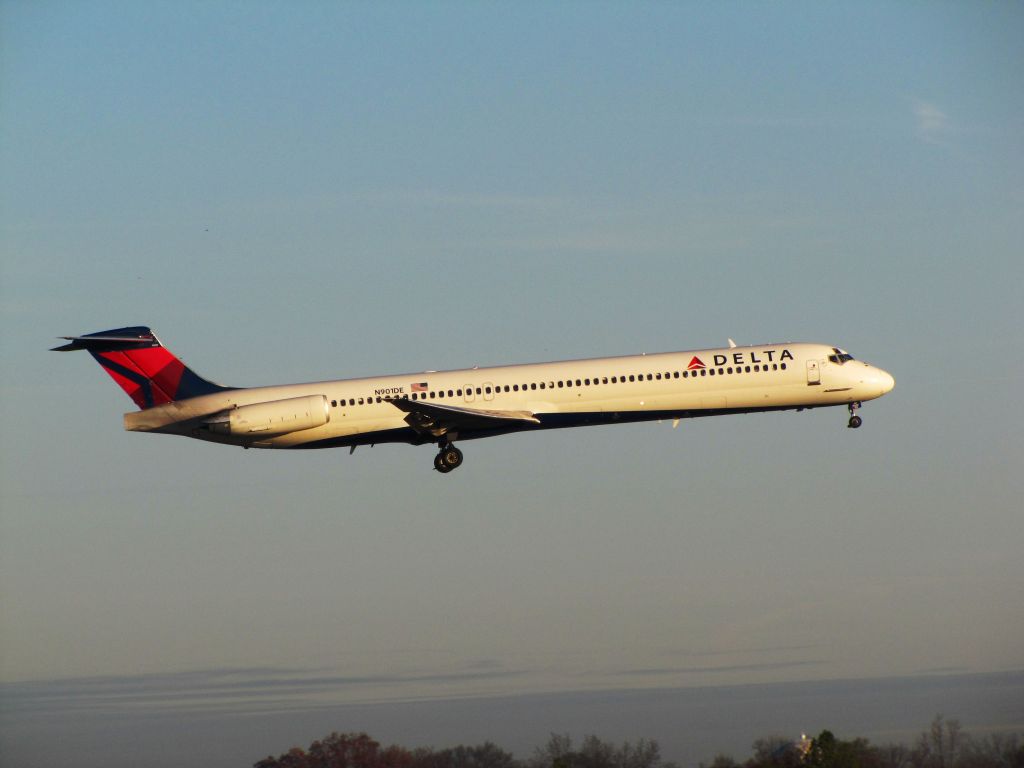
<point x="448" y="459"/>
<point x="855" y="420"/>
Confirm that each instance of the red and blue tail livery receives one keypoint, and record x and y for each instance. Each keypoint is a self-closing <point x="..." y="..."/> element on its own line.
<point x="142" y="366"/>
<point x="440" y="407"/>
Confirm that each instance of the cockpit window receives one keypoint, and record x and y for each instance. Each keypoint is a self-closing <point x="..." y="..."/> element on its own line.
<point x="840" y="356"/>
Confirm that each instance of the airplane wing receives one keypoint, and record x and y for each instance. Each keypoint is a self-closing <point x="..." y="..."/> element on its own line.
<point x="435" y="419"/>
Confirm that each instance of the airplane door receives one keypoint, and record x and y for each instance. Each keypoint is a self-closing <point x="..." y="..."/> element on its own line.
<point x="813" y="373"/>
<point x="488" y="391"/>
<point x="468" y="393"/>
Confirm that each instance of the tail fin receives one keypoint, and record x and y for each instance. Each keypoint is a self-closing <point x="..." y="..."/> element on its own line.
<point x="142" y="367"/>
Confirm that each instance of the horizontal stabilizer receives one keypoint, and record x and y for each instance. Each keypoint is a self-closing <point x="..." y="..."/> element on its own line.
<point x="137" y="337"/>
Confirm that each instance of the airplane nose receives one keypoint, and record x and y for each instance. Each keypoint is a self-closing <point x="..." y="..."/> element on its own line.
<point x="885" y="381"/>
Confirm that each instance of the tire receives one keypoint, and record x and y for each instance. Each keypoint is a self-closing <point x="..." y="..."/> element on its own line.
<point x="451" y="457"/>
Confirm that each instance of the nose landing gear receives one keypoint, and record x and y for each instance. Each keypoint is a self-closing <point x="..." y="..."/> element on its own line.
<point x="855" y="420"/>
<point x="448" y="458"/>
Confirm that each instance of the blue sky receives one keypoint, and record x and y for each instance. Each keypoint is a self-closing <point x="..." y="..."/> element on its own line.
<point x="293" y="192"/>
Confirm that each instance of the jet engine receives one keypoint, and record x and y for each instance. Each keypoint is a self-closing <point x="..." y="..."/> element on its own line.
<point x="276" y="417"/>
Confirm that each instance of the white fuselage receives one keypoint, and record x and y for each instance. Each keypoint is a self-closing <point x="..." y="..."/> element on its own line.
<point x="558" y="394"/>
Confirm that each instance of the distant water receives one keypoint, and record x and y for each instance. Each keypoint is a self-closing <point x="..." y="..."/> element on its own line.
<point x="185" y="720"/>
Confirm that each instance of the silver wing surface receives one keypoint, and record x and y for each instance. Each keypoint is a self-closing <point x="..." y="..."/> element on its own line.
<point x="437" y="420"/>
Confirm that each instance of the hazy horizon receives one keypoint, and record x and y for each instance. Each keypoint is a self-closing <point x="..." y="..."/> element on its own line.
<point x="234" y="717"/>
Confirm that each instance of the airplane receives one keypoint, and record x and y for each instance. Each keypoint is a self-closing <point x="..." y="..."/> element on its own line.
<point x="440" y="407"/>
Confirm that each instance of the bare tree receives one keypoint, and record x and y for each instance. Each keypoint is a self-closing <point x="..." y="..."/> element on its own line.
<point x="595" y="753"/>
<point x="939" y="746"/>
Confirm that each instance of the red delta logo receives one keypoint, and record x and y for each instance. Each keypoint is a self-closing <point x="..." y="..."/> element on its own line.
<point x="695" y="364"/>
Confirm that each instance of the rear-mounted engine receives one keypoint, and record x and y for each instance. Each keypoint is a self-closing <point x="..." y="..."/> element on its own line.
<point x="277" y="417"/>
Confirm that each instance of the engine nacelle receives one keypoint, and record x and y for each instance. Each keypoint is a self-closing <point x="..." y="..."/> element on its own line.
<point x="277" y="417"/>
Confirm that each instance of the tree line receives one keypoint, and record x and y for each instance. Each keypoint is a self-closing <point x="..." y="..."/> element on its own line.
<point x="943" y="745"/>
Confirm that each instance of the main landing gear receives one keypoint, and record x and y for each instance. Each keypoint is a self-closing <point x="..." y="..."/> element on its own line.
<point x="448" y="458"/>
<point x="855" y="420"/>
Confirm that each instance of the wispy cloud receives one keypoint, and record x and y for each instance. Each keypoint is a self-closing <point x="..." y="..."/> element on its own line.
<point x="754" y="667"/>
<point x="756" y="651"/>
<point x="247" y="689"/>
<point x="932" y="123"/>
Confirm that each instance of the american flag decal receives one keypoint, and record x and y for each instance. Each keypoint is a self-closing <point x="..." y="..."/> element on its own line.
<point x="419" y="386"/>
